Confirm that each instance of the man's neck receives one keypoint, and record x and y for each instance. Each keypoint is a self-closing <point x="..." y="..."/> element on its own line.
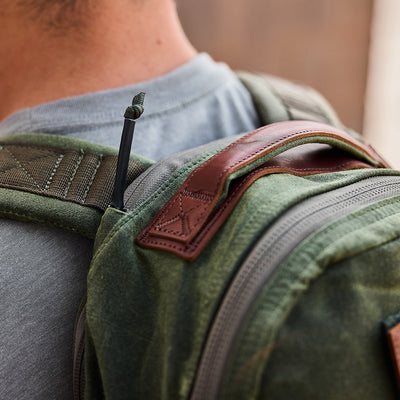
<point x="111" y="50"/>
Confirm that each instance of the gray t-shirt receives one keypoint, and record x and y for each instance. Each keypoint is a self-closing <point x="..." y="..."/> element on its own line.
<point x="43" y="270"/>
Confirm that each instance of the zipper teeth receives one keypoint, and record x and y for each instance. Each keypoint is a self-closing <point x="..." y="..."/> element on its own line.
<point x="257" y="268"/>
<point x="78" y="352"/>
<point x="78" y="378"/>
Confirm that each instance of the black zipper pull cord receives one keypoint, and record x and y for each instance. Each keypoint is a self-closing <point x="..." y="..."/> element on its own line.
<point x="132" y="113"/>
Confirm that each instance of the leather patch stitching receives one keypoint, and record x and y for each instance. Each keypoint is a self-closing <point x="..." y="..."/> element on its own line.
<point x="182" y="225"/>
<point x="394" y="344"/>
<point x="158" y="224"/>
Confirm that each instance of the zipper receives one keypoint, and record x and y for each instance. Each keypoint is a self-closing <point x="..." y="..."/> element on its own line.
<point x="78" y="374"/>
<point x="295" y="225"/>
<point x="166" y="172"/>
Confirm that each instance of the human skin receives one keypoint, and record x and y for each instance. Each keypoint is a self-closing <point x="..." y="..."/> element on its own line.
<point x="106" y="44"/>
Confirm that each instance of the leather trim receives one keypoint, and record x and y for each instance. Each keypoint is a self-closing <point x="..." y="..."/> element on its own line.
<point x="189" y="220"/>
<point x="394" y="345"/>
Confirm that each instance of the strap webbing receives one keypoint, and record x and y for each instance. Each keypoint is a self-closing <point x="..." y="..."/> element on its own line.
<point x="303" y="102"/>
<point x="279" y="100"/>
<point x="77" y="176"/>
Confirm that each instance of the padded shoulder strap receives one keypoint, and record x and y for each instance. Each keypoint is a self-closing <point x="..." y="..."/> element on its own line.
<point x="280" y="100"/>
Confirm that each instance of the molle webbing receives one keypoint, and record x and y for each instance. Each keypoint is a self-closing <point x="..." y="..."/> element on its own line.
<point x="78" y="176"/>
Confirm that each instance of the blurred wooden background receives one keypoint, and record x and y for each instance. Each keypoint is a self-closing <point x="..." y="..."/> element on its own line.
<point x="322" y="43"/>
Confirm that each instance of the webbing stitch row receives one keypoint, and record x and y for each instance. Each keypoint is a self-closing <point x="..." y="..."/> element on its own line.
<point x="85" y="194"/>
<point x="56" y="165"/>
<point x="77" y="164"/>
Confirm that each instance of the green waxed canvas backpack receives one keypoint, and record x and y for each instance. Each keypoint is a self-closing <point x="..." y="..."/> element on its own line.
<point x="264" y="266"/>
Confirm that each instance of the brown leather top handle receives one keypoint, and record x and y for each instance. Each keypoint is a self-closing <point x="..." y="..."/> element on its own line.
<point x="190" y="218"/>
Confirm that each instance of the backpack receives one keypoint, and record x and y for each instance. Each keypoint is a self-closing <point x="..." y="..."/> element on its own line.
<point x="258" y="267"/>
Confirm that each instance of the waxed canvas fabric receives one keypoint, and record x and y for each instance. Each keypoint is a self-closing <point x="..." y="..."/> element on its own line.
<point x="317" y="327"/>
<point x="334" y="338"/>
<point x="149" y="311"/>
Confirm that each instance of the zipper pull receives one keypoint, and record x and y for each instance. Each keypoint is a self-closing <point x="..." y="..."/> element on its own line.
<point x="132" y="113"/>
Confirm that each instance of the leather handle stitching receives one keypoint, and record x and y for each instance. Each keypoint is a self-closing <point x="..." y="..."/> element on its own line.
<point x="158" y="226"/>
<point x="191" y="249"/>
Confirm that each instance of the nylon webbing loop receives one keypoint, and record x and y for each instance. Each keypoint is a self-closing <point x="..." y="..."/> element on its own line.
<point x="78" y="176"/>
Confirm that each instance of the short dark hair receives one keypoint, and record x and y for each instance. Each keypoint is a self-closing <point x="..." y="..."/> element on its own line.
<point x="54" y="14"/>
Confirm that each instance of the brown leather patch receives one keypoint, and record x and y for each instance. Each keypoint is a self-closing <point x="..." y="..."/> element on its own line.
<point x="394" y="344"/>
<point x="190" y="218"/>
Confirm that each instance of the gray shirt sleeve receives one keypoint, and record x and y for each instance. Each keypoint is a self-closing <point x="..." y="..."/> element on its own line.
<point x="41" y="286"/>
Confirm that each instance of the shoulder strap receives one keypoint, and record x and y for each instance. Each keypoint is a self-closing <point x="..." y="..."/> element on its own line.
<point x="278" y="100"/>
<point x="60" y="182"/>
